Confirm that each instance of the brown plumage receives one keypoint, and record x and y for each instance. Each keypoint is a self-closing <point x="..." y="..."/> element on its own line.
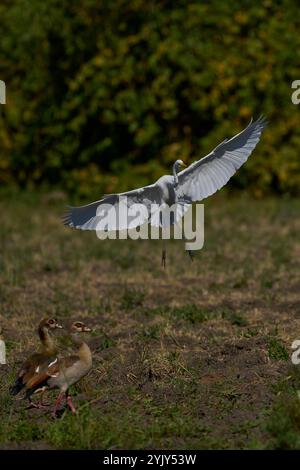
<point x="64" y="372"/>
<point x="38" y="361"/>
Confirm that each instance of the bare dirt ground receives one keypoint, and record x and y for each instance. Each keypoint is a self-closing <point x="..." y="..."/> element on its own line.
<point x="196" y="356"/>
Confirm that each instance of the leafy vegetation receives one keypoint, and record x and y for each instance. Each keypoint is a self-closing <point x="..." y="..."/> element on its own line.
<point x="104" y="96"/>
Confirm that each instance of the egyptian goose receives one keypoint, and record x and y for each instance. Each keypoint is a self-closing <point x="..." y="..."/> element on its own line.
<point x="39" y="360"/>
<point x="64" y="372"/>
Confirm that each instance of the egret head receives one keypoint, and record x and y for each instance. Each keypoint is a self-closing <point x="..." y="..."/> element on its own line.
<point x="178" y="165"/>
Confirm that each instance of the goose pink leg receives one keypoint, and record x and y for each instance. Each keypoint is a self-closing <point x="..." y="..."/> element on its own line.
<point x="70" y="405"/>
<point x="57" y="403"/>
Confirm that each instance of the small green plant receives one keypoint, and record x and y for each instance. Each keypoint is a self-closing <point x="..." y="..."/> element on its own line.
<point x="107" y="342"/>
<point x="276" y="350"/>
<point x="151" y="332"/>
<point x="192" y="313"/>
<point x="251" y="332"/>
<point x="132" y="298"/>
<point x="234" y="318"/>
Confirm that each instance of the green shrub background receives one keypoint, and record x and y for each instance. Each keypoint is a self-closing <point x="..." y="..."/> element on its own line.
<point x="104" y="95"/>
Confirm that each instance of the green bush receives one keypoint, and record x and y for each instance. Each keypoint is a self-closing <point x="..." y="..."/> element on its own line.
<point x="104" y="96"/>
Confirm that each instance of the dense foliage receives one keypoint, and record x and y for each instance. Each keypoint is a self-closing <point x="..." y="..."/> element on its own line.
<point x="104" y="95"/>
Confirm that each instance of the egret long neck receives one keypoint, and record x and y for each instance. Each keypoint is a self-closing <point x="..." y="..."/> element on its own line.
<point x="175" y="174"/>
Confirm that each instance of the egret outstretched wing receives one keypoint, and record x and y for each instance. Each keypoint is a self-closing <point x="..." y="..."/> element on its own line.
<point x="204" y="177"/>
<point x="198" y="181"/>
<point x="91" y="216"/>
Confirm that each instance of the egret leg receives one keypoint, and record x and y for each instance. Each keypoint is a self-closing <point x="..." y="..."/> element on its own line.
<point x="164" y="255"/>
<point x="189" y="252"/>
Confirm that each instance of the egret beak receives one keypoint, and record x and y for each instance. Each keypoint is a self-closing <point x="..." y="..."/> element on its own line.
<point x="183" y="164"/>
<point x="58" y="326"/>
<point x="87" y="329"/>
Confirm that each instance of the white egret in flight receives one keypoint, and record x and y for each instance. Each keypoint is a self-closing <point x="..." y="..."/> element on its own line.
<point x="195" y="183"/>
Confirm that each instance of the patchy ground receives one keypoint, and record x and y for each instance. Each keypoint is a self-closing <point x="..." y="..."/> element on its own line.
<point x="196" y="356"/>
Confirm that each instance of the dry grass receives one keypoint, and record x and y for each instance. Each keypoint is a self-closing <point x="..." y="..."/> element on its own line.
<point x="190" y="357"/>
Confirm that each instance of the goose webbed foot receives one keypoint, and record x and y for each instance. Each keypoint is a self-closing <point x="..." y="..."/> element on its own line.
<point x="39" y="405"/>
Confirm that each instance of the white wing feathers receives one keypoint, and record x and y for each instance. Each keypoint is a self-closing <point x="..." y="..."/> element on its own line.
<point x="201" y="179"/>
<point x="112" y="210"/>
<point x="204" y="177"/>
